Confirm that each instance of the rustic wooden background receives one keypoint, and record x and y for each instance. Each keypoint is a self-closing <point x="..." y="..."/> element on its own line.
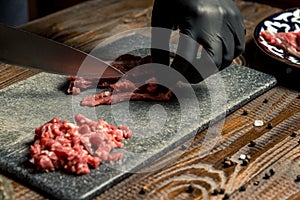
<point x="272" y="165"/>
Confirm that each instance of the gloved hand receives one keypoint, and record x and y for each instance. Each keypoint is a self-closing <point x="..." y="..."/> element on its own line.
<point x="215" y="24"/>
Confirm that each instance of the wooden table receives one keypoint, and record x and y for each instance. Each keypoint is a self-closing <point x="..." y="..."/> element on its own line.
<point x="273" y="151"/>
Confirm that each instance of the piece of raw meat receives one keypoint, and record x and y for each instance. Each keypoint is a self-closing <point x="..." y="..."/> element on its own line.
<point x="78" y="147"/>
<point x="123" y="63"/>
<point x="124" y="89"/>
<point x="289" y="42"/>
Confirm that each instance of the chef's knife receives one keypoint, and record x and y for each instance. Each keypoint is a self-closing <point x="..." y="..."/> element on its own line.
<point x="25" y="49"/>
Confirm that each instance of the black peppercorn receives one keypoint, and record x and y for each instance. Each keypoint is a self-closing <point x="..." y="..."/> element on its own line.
<point x="242" y="189"/>
<point x="245" y="112"/>
<point x="270" y="126"/>
<point x="215" y="192"/>
<point x="272" y="172"/>
<point x="190" y="189"/>
<point x="227" y="162"/>
<point x="297" y="179"/>
<point x="294" y="134"/>
<point x="266" y="176"/>
<point x="226" y="196"/>
<point x="266" y="101"/>
<point x="142" y="191"/>
<point x="222" y="191"/>
<point x="244" y="163"/>
<point x="252" y="144"/>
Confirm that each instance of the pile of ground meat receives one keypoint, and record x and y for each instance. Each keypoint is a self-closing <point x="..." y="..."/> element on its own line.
<point x="76" y="148"/>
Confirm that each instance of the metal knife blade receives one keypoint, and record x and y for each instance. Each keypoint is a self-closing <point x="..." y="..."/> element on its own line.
<point x="28" y="50"/>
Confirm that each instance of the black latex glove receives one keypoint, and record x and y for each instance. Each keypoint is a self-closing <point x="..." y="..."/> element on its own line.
<point x="215" y="24"/>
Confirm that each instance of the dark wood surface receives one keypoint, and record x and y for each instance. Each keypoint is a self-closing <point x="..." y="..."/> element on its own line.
<point x="190" y="174"/>
<point x="281" y="3"/>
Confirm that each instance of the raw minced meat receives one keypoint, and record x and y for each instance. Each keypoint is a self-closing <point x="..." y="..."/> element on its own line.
<point x="76" y="147"/>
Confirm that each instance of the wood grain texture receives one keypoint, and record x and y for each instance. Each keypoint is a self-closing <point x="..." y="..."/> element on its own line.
<point x="188" y="172"/>
<point x="11" y="74"/>
<point x="195" y="175"/>
<point x="83" y="26"/>
<point x="281" y="3"/>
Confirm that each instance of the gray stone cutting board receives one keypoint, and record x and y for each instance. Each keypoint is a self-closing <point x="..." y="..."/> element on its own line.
<point x="157" y="126"/>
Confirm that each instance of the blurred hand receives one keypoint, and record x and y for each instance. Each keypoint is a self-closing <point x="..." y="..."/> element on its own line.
<point x="215" y="24"/>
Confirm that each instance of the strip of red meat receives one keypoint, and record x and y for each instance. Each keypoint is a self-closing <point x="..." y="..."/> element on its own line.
<point x="98" y="99"/>
<point x="77" y="84"/>
<point x="125" y="90"/>
<point x="76" y="147"/>
<point x="288" y="41"/>
<point x="124" y="63"/>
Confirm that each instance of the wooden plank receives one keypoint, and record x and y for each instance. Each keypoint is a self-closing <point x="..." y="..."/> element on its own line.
<point x="191" y="175"/>
<point x="85" y="25"/>
<point x="195" y="175"/>
<point x="12" y="74"/>
<point x="77" y="27"/>
<point x="284" y="4"/>
<point x="282" y="184"/>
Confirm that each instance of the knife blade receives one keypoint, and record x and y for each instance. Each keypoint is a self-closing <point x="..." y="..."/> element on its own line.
<point x="29" y="50"/>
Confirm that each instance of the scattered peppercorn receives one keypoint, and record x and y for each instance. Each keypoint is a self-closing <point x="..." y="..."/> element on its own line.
<point x="226" y="196"/>
<point x="190" y="189"/>
<point x="266" y="176"/>
<point x="244" y="163"/>
<point x="297" y="179"/>
<point x="242" y="188"/>
<point x="272" y="172"/>
<point x="294" y="134"/>
<point x="270" y="126"/>
<point x="245" y="112"/>
<point x="222" y="191"/>
<point x="142" y="191"/>
<point x="252" y="144"/>
<point x="227" y="162"/>
<point x="266" y="101"/>
<point x="215" y="192"/>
